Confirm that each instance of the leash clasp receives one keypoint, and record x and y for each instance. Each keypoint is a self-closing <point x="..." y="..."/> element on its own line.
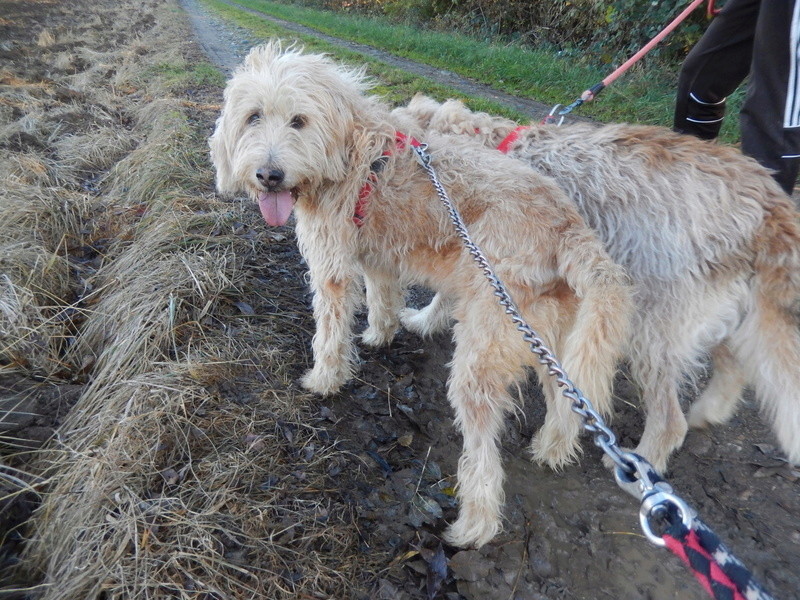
<point x="553" y="118"/>
<point x="422" y="154"/>
<point x="658" y="502"/>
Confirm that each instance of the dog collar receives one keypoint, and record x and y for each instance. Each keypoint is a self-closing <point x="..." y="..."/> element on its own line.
<point x="401" y="140"/>
<point x="512" y="137"/>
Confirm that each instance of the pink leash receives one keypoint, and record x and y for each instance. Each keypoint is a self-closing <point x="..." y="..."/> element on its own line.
<point x="592" y="92"/>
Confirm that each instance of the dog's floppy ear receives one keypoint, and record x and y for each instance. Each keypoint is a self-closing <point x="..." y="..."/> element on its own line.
<point x="365" y="133"/>
<point x="221" y="156"/>
<point x="344" y="113"/>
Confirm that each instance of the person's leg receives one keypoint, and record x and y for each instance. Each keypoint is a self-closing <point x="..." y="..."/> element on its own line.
<point x="770" y="117"/>
<point x="714" y="68"/>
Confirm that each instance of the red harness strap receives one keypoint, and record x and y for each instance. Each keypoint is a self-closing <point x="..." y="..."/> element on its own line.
<point x="512" y="137"/>
<point x="359" y="214"/>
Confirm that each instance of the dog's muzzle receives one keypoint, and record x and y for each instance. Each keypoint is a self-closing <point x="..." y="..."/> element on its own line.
<point x="271" y="179"/>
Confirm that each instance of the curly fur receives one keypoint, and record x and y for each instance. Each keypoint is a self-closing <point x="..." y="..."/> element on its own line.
<point x="309" y="124"/>
<point x="712" y="246"/>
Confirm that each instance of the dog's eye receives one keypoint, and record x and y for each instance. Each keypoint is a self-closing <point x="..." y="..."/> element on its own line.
<point x="253" y="118"/>
<point x="297" y="122"/>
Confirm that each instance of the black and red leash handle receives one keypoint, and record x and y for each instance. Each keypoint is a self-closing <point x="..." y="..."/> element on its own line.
<point x="682" y="532"/>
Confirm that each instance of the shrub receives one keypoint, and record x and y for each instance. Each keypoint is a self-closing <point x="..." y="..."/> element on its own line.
<point x="605" y="30"/>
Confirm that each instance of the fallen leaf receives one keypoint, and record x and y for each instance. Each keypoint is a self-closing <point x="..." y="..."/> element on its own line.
<point x="245" y="308"/>
<point x="401" y="558"/>
<point x="385" y="466"/>
<point x="428" y="505"/>
<point x="170" y="476"/>
<point x="449" y="491"/>
<point x="387" y="590"/>
<point x="767" y="449"/>
<point x="437" y="572"/>
<point x="255" y="442"/>
<point x="405" y="440"/>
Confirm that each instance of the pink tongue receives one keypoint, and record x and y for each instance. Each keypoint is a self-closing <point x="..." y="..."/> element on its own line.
<point x="276" y="207"/>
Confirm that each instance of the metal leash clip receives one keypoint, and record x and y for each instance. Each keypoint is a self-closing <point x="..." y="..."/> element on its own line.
<point x="655" y="494"/>
<point x="552" y="118"/>
<point x="422" y="155"/>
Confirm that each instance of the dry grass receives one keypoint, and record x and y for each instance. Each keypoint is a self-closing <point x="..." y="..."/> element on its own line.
<point x="45" y="38"/>
<point x="33" y="312"/>
<point x="160" y="487"/>
<point x="99" y="149"/>
<point x="187" y="468"/>
<point x="169" y="157"/>
<point x="40" y="224"/>
<point x="29" y="169"/>
<point x="169" y="492"/>
<point x="54" y="217"/>
<point x="28" y="336"/>
<point x="161" y="281"/>
<point x="33" y="284"/>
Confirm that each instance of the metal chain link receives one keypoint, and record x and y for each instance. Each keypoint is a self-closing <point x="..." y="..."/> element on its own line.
<point x="592" y="421"/>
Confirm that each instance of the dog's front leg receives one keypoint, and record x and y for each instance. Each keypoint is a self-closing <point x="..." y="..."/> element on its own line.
<point x="335" y="299"/>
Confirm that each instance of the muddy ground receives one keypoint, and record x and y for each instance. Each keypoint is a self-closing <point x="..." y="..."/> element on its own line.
<point x="568" y="535"/>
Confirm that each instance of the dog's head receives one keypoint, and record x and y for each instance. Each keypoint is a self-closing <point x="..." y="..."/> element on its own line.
<point x="287" y="126"/>
<point x="453" y="117"/>
<point x="415" y="117"/>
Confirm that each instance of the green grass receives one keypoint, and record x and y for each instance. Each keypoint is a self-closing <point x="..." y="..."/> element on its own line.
<point x="183" y="75"/>
<point x="645" y="94"/>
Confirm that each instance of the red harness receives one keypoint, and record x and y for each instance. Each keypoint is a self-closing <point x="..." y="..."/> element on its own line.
<point x="401" y="141"/>
<point x="512" y="137"/>
<point x="359" y="214"/>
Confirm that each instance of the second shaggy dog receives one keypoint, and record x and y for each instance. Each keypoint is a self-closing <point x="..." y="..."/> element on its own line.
<point x="299" y="135"/>
<point x="710" y="241"/>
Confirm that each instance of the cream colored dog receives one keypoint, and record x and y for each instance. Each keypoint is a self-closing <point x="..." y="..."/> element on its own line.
<point x="712" y="246"/>
<point x="299" y="134"/>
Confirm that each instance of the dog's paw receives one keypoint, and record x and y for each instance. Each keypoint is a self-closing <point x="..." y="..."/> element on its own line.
<point x="378" y="336"/>
<point x="413" y="320"/>
<point x="473" y="528"/>
<point x="697" y="417"/>
<point x="554" y="451"/>
<point x="709" y="410"/>
<point x="322" y="381"/>
<point x="422" y="322"/>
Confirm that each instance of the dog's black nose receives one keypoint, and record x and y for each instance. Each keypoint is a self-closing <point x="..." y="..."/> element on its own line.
<point x="270" y="178"/>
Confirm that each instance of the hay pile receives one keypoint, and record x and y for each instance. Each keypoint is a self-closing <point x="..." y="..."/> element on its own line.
<point x="188" y="467"/>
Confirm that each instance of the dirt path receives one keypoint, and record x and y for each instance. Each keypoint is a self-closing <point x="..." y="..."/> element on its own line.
<point x="219" y="43"/>
<point x="571" y="534"/>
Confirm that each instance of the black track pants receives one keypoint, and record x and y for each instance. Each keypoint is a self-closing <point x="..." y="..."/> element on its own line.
<point x="762" y="39"/>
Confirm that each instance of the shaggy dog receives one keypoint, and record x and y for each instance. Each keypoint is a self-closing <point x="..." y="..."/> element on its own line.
<point x="710" y="242"/>
<point x="299" y="134"/>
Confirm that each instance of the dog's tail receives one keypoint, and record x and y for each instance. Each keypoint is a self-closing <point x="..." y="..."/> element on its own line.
<point x="599" y="336"/>
<point x="777" y="252"/>
<point x="767" y="343"/>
